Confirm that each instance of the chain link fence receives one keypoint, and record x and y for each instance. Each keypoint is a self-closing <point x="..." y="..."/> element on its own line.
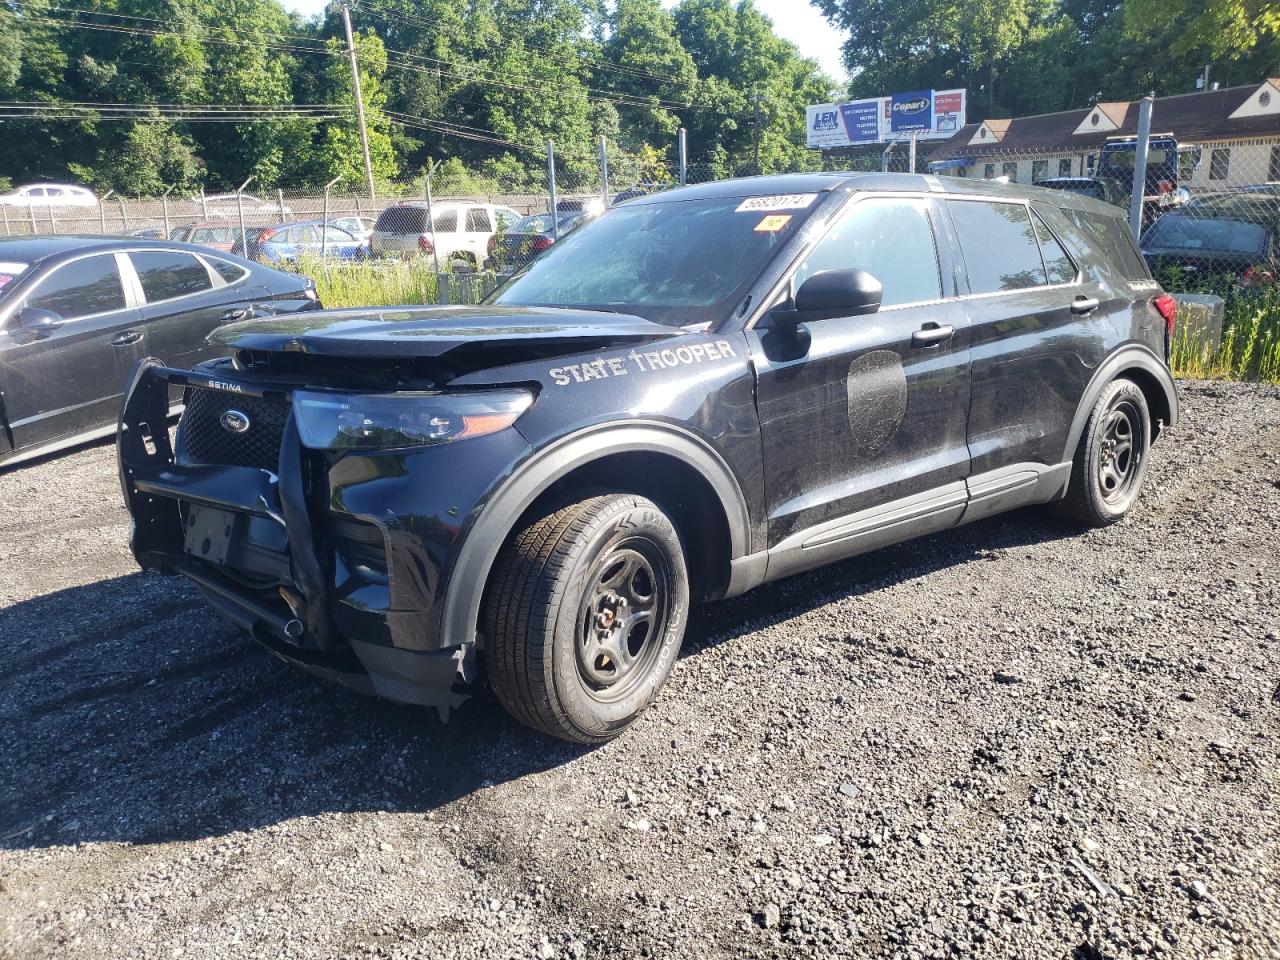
<point x="1207" y="220"/>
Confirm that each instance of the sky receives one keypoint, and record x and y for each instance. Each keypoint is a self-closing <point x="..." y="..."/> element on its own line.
<point x="795" y="20"/>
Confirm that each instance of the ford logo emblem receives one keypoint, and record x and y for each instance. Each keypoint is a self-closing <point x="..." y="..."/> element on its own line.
<point x="234" y="421"/>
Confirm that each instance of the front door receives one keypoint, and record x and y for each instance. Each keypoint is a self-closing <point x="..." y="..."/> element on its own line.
<point x="863" y="418"/>
<point x="63" y="381"/>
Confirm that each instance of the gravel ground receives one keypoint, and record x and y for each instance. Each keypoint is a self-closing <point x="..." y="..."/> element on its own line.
<point x="1006" y="741"/>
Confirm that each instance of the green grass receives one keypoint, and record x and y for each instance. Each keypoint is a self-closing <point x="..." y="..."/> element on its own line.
<point x="1250" y="347"/>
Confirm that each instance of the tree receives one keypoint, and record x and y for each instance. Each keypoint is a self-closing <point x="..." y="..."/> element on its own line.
<point x="739" y="58"/>
<point x="341" y="153"/>
<point x="1220" y="29"/>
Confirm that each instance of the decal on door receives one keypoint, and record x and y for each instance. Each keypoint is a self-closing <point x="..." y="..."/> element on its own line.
<point x="877" y="388"/>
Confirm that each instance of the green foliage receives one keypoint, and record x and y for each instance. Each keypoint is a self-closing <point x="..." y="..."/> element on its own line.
<point x="1250" y="346"/>
<point x="1220" y="29"/>
<point x="1097" y="49"/>
<point x="340" y="153"/>
<point x="483" y="83"/>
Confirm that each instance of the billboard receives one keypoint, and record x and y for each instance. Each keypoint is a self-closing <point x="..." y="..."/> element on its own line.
<point x="925" y="114"/>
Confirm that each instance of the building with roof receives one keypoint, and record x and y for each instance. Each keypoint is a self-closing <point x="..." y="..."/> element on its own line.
<point x="1237" y="130"/>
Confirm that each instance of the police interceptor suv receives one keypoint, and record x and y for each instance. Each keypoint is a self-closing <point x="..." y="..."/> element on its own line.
<point x="703" y="390"/>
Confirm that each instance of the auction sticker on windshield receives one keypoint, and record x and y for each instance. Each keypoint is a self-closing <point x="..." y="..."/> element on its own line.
<point x="791" y="201"/>
<point x="773" y="223"/>
<point x="10" y="271"/>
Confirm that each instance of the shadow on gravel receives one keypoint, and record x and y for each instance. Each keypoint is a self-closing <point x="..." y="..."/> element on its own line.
<point x="129" y="712"/>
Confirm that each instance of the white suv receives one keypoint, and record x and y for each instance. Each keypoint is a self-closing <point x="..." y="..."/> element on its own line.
<point x="49" y="195"/>
<point x="462" y="230"/>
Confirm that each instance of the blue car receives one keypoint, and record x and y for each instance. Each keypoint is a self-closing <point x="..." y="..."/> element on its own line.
<point x="287" y="242"/>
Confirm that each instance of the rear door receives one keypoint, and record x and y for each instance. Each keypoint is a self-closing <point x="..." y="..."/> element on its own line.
<point x="859" y="412"/>
<point x="184" y="303"/>
<point x="1036" y="329"/>
<point x="71" y="379"/>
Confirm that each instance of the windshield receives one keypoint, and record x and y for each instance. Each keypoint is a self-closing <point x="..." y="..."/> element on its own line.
<point x="1188" y="233"/>
<point x="9" y="272"/>
<point x="675" y="262"/>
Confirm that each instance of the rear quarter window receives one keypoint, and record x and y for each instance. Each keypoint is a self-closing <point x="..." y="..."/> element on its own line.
<point x="402" y="220"/>
<point x="1102" y="244"/>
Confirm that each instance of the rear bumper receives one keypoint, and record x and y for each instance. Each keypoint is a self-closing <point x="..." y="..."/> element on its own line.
<point x="281" y="573"/>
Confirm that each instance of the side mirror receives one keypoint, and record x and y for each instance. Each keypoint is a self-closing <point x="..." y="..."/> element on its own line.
<point x="838" y="293"/>
<point x="38" y="323"/>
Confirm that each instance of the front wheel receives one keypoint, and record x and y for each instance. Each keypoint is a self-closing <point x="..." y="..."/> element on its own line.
<point x="1111" y="460"/>
<point x="585" y="615"/>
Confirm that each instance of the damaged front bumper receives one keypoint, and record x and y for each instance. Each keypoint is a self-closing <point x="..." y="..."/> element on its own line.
<point x="285" y="553"/>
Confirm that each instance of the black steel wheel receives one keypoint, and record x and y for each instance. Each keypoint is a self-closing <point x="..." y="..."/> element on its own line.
<point x="1111" y="459"/>
<point x="584" y="615"/>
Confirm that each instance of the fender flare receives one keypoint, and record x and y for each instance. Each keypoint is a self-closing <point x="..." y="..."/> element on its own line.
<point x="469" y="573"/>
<point x="1129" y="357"/>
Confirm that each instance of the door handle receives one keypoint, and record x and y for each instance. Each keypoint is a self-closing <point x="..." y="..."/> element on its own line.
<point x="932" y="334"/>
<point x="126" y="338"/>
<point x="231" y="316"/>
<point x="1084" y="304"/>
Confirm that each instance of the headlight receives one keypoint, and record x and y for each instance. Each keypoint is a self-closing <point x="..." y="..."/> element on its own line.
<point x="381" y="421"/>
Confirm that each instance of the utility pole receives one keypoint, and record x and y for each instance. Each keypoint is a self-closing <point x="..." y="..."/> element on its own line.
<point x="355" y="86"/>
<point x="755" y="129"/>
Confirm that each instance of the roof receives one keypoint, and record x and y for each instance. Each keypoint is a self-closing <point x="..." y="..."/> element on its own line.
<point x="793" y="183"/>
<point x="35" y="249"/>
<point x="1232" y="113"/>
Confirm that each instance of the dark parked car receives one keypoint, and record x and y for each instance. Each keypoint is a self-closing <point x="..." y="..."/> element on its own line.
<point x="1234" y="238"/>
<point x="698" y="392"/>
<point x="527" y="238"/>
<point x="76" y="313"/>
<point x="1100" y="188"/>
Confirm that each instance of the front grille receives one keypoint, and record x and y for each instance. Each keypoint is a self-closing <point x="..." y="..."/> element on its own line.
<point x="204" y="439"/>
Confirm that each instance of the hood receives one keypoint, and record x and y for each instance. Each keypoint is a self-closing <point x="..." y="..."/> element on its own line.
<point x="423" y="332"/>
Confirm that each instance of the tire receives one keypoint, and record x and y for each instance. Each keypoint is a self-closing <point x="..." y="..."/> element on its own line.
<point x="1111" y="460"/>
<point x="585" y="614"/>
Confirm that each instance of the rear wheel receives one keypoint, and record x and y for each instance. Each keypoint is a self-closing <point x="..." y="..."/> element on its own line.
<point x="1111" y="460"/>
<point x="584" y="617"/>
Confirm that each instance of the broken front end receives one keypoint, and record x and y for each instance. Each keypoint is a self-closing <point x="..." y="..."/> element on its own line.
<point x="319" y="516"/>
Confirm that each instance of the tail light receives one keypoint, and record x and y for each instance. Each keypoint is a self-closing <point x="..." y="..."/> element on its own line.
<point x="1164" y="186"/>
<point x="424" y="244"/>
<point x="1259" y="275"/>
<point x="1167" y="307"/>
<point x="493" y="244"/>
<point x="265" y="236"/>
<point x="538" y="244"/>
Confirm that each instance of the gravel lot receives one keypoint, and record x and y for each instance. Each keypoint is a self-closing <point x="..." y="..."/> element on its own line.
<point x="1006" y="741"/>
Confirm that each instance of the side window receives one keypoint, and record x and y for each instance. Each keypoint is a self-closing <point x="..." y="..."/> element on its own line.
<point x="446" y="221"/>
<point x="81" y="289"/>
<point x="1000" y="247"/>
<point x="1056" y="262"/>
<point x="889" y="237"/>
<point x="228" y="271"/>
<point x="166" y="275"/>
<point x="478" y="221"/>
<point x="334" y="235"/>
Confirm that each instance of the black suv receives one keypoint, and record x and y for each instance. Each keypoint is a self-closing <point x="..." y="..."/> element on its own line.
<point x="703" y="390"/>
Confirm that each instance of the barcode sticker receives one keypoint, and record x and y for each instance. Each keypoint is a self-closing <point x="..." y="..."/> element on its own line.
<point x="791" y="201"/>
